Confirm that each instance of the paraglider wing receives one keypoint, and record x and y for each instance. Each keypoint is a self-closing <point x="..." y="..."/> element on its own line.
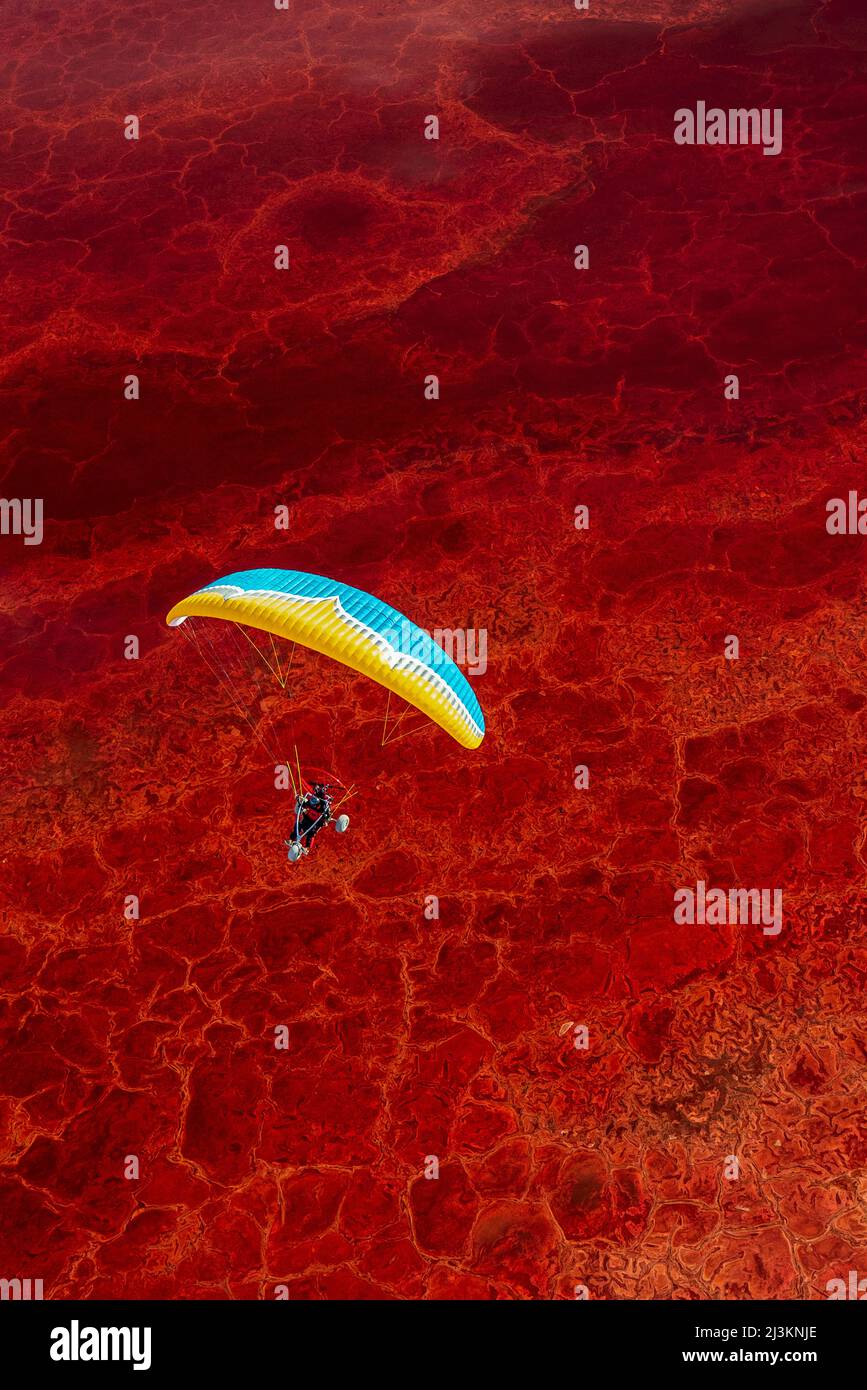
<point x="352" y="627"/>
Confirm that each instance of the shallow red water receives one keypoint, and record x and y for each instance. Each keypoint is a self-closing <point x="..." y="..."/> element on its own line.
<point x="453" y="1037"/>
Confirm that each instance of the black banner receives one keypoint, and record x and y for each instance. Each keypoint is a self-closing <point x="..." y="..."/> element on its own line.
<point x="164" y="1340"/>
